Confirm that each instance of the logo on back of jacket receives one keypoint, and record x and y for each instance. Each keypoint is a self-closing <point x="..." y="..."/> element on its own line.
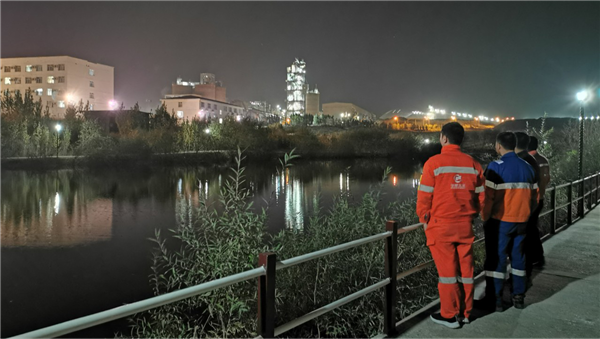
<point x="457" y="185"/>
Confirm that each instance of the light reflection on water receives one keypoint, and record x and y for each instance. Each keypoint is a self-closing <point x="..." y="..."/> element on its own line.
<point x="84" y="235"/>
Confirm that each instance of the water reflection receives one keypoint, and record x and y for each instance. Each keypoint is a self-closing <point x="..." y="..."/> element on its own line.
<point x="68" y="207"/>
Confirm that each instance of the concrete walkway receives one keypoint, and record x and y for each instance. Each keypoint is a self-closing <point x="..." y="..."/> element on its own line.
<point x="564" y="301"/>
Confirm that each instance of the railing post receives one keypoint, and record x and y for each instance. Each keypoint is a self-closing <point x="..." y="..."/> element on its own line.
<point x="590" y="197"/>
<point x="570" y="208"/>
<point x="391" y="265"/>
<point x="582" y="195"/>
<point x="597" y="187"/>
<point x="266" y="295"/>
<point x="553" y="214"/>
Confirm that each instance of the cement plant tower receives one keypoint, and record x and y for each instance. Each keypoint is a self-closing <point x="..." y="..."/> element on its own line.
<point x="296" y="88"/>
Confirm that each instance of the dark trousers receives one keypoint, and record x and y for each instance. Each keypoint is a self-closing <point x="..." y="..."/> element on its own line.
<point x="504" y="240"/>
<point x="534" y="251"/>
<point x="491" y="230"/>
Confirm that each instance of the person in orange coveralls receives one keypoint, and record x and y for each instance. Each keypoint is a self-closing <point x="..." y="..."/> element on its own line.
<point x="450" y="196"/>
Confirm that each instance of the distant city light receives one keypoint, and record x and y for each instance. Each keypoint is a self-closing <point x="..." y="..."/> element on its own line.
<point x="581" y="96"/>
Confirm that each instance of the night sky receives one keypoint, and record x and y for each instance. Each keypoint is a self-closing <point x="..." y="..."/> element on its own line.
<point x="503" y="58"/>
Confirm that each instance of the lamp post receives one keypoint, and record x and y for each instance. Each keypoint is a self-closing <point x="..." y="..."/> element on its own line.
<point x="58" y="127"/>
<point x="581" y="97"/>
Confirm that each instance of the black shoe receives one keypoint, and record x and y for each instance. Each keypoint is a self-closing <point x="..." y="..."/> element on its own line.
<point x="540" y="263"/>
<point x="448" y="322"/>
<point x="519" y="301"/>
<point x="463" y="320"/>
<point x="499" y="305"/>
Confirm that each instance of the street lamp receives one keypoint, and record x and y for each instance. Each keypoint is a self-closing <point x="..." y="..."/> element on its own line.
<point x="581" y="96"/>
<point x="58" y="127"/>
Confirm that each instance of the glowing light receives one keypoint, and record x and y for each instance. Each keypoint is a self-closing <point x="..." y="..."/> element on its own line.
<point x="426" y="141"/>
<point x="220" y="120"/>
<point x="453" y="117"/>
<point x="395" y="180"/>
<point x="443" y="111"/>
<point x="56" y="203"/>
<point x="545" y="142"/>
<point x="581" y="96"/>
<point x="476" y="119"/>
<point x="207" y="131"/>
<point x="238" y="118"/>
<point x="437" y="110"/>
<point x="579" y="118"/>
<point x="70" y="98"/>
<point x="58" y="127"/>
<point x="112" y="104"/>
<point x="395" y="118"/>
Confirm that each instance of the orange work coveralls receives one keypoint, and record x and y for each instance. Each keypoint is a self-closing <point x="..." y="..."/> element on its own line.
<point x="450" y="196"/>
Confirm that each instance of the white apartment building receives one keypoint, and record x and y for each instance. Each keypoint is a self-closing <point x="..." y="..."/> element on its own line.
<point x="59" y="80"/>
<point x="192" y="106"/>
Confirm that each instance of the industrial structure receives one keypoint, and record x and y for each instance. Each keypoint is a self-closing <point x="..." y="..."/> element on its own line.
<point x="208" y="87"/>
<point x="296" y="88"/>
<point x="312" y="101"/>
<point x="59" y="81"/>
<point x="346" y="111"/>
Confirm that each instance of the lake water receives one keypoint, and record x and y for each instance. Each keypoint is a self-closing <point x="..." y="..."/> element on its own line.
<point x="76" y="242"/>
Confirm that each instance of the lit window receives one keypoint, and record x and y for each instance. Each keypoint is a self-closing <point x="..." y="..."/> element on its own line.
<point x="7" y="68"/>
<point x="61" y="67"/>
<point x="61" y="80"/>
<point x="91" y="71"/>
<point x="7" y="81"/>
<point x="38" y="80"/>
<point x="51" y="79"/>
<point x="91" y="95"/>
<point x="91" y="84"/>
<point x="17" y="68"/>
<point x="49" y="91"/>
<point x="61" y="104"/>
<point x="91" y="107"/>
<point x="180" y="104"/>
<point x="28" y="68"/>
<point x="180" y="114"/>
<point x="50" y="67"/>
<point x="16" y="80"/>
<point x="39" y="91"/>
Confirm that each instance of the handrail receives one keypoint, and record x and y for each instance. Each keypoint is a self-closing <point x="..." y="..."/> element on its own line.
<point x="320" y="253"/>
<point x="330" y="307"/>
<point x="266" y="275"/>
<point x="140" y="306"/>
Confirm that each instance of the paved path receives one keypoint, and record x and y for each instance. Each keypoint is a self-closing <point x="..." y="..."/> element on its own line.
<point x="564" y="301"/>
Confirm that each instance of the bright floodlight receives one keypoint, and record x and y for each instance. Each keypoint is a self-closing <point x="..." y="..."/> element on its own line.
<point x="69" y="97"/>
<point x="207" y="131"/>
<point x="112" y="104"/>
<point x="58" y="127"/>
<point x="581" y="96"/>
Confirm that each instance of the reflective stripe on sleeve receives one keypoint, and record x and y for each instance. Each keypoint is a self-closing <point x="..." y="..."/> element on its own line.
<point x="510" y="185"/>
<point x="465" y="280"/>
<point x="515" y="271"/>
<point x="448" y="280"/>
<point x="454" y="169"/>
<point x="425" y="188"/>
<point x="479" y="189"/>
<point x="494" y="274"/>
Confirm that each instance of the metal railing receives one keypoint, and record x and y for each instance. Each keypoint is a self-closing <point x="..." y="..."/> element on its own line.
<point x="268" y="265"/>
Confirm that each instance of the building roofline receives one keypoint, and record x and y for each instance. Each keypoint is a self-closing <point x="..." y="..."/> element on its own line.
<point x="195" y="96"/>
<point x="56" y="56"/>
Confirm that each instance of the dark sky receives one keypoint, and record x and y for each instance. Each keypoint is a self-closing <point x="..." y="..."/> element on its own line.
<point x="502" y="58"/>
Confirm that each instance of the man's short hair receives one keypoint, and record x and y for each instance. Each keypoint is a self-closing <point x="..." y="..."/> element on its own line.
<point x="522" y="140"/>
<point x="533" y="143"/>
<point x="454" y="132"/>
<point x="508" y="140"/>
